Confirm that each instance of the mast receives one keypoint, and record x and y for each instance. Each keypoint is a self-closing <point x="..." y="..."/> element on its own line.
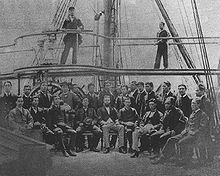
<point x="107" y="48"/>
<point x="174" y="33"/>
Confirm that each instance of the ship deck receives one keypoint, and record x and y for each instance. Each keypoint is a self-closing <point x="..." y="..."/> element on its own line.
<point x="115" y="164"/>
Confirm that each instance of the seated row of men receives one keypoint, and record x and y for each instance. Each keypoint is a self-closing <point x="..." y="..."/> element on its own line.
<point x="160" y="123"/>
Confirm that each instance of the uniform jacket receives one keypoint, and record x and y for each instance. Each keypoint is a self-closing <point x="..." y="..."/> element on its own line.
<point x="7" y="103"/>
<point x="184" y="103"/>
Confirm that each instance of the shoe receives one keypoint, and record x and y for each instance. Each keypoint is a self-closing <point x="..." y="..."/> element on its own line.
<point x="71" y="153"/>
<point x="121" y="150"/>
<point x="154" y="156"/>
<point x="130" y="150"/>
<point x="160" y="160"/>
<point x="65" y="154"/>
<point x="135" y="155"/>
<point x="94" y="150"/>
<point x="107" y="150"/>
<point x="79" y="150"/>
<point x="112" y="146"/>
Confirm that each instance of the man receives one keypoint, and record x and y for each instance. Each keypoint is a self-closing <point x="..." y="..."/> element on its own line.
<point x="208" y="108"/>
<point x="106" y="91"/>
<point x="40" y="120"/>
<point x="166" y="92"/>
<point x="195" y="131"/>
<point x="55" y="122"/>
<point x="149" y="124"/>
<point x="149" y="86"/>
<point x="92" y="96"/>
<point x="173" y="123"/>
<point x="26" y="97"/>
<point x="108" y="119"/>
<point x="183" y="101"/>
<point x="162" y="49"/>
<point x="20" y="119"/>
<point x="139" y="99"/>
<point x="86" y="119"/>
<point x="7" y="103"/>
<point x="127" y="117"/>
<point x="45" y="98"/>
<point x="70" y="40"/>
<point x="119" y="102"/>
<point x="69" y="97"/>
<point x="133" y="88"/>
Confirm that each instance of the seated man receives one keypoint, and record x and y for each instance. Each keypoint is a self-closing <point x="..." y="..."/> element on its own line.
<point x="40" y="121"/>
<point x="127" y="117"/>
<point x="149" y="124"/>
<point x="108" y="119"/>
<point x="173" y="123"/>
<point x="20" y="119"/>
<point x="196" y="131"/>
<point x="55" y="122"/>
<point x="86" y="119"/>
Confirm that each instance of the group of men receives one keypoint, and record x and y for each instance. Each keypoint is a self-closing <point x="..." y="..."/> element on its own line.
<point x="166" y="124"/>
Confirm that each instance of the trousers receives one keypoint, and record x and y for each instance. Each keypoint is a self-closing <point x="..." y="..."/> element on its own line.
<point x="162" y="51"/>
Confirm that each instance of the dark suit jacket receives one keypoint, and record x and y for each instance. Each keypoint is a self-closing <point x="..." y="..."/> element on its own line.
<point x="45" y="101"/>
<point x="93" y="100"/>
<point x="86" y="117"/>
<point x="38" y="116"/>
<point x="103" y="114"/>
<point x="154" y="120"/>
<point x="184" y="103"/>
<point x="140" y="102"/>
<point x="128" y="115"/>
<point x="174" y="120"/>
<point x="7" y="103"/>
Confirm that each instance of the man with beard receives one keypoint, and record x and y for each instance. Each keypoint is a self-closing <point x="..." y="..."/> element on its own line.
<point x="108" y="119"/>
<point x="86" y="119"/>
<point x="127" y="117"/>
<point x="148" y="125"/>
<point x="195" y="131"/>
<point x="173" y="123"/>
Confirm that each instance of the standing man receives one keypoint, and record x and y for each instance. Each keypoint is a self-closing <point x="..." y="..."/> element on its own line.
<point x="149" y="86"/>
<point x="183" y="101"/>
<point x="106" y="91"/>
<point x="45" y="98"/>
<point x="162" y="49"/>
<point x="139" y="99"/>
<point x="7" y="103"/>
<point x="70" y="40"/>
<point x="92" y="96"/>
<point x="26" y="97"/>
<point x="20" y="119"/>
<point x="108" y="119"/>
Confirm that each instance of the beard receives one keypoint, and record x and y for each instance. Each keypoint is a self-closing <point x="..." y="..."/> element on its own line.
<point x="107" y="105"/>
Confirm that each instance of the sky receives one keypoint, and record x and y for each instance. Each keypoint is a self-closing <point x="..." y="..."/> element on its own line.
<point x="139" y="18"/>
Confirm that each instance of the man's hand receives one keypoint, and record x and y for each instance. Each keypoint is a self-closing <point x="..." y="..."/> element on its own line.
<point x="80" y="124"/>
<point x="172" y="133"/>
<point x="191" y="132"/>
